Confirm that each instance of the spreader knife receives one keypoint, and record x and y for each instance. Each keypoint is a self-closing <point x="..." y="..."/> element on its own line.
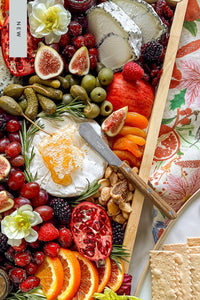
<point x="93" y="139"/>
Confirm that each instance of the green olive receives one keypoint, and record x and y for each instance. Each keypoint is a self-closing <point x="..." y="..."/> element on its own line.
<point x="106" y="108"/>
<point x="99" y="66"/>
<point x="105" y="76"/>
<point x="67" y="98"/>
<point x="91" y="111"/>
<point x="98" y="82"/>
<point x="88" y="82"/>
<point x="79" y="91"/>
<point x="98" y="94"/>
<point x="64" y="82"/>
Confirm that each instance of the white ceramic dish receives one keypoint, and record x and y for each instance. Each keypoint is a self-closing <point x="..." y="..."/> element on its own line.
<point x="186" y="225"/>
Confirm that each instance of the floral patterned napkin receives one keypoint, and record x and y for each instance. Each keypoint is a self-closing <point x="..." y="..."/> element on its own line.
<point x="175" y="172"/>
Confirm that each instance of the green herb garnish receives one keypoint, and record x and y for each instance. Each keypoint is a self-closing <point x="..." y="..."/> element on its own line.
<point x="34" y="294"/>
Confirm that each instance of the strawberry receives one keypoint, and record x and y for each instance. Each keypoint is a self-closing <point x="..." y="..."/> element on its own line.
<point x="132" y="71"/>
<point x="138" y="95"/>
<point x="48" y="232"/>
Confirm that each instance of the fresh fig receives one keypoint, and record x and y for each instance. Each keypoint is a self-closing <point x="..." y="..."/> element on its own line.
<point x="48" y="63"/>
<point x="80" y="62"/>
<point x="6" y="202"/>
<point x="114" y="122"/>
<point x="4" y="167"/>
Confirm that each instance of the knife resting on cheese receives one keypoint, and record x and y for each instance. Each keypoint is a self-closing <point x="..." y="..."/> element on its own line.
<point x="90" y="135"/>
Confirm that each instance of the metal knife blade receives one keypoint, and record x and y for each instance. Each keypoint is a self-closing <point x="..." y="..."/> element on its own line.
<point x="93" y="139"/>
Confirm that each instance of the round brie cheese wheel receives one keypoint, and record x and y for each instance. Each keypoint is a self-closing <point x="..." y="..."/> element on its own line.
<point x="88" y="166"/>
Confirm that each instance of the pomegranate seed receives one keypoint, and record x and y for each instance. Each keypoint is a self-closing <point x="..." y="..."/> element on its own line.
<point x="29" y="283"/>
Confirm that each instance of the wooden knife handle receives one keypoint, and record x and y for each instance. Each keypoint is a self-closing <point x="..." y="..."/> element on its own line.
<point x="139" y="183"/>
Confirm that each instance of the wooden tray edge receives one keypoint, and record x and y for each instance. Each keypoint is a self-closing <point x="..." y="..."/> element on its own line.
<point x="154" y="125"/>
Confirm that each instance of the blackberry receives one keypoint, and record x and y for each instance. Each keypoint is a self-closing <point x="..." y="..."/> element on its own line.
<point x="151" y="51"/>
<point x="62" y="210"/>
<point x="2" y="122"/>
<point x="118" y="233"/>
<point x="3" y="242"/>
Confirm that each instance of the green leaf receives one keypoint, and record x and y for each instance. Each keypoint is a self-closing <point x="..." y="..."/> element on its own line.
<point x="178" y="100"/>
<point x="167" y="121"/>
<point x="179" y="152"/>
<point x="108" y="294"/>
<point x="191" y="27"/>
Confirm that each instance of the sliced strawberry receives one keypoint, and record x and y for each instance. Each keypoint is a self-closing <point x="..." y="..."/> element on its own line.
<point x="18" y="66"/>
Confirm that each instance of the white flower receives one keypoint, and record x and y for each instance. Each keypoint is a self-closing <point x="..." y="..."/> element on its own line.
<point x="49" y="19"/>
<point x="18" y="225"/>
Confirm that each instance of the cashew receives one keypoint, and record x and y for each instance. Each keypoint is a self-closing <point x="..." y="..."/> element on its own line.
<point x="131" y="187"/>
<point x="125" y="207"/>
<point x="120" y="176"/>
<point x="104" y="182"/>
<point x="125" y="215"/>
<point x="129" y="196"/>
<point x="113" y="209"/>
<point x="119" y="219"/>
<point x="102" y="202"/>
<point x="108" y="172"/>
<point x="113" y="178"/>
<point x="105" y="193"/>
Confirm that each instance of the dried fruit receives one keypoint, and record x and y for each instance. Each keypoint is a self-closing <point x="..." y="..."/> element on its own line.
<point x="4" y="167"/>
<point x="91" y="230"/>
<point x="6" y="202"/>
<point x="114" y="123"/>
<point x="48" y="63"/>
<point x="80" y="62"/>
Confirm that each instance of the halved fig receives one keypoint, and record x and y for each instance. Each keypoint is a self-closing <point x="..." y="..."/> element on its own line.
<point x="6" y="202"/>
<point x="114" y="123"/>
<point x="80" y="62"/>
<point x="48" y="62"/>
<point x="4" y="167"/>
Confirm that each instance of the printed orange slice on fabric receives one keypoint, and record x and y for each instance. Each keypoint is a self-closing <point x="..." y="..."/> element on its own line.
<point x="124" y="144"/>
<point x="126" y="155"/>
<point x="136" y="120"/>
<point x="132" y="130"/>
<point x="72" y="274"/>
<point x="104" y="273"/>
<point x="117" y="275"/>
<point x="51" y="277"/>
<point x="89" y="279"/>
<point x="136" y="139"/>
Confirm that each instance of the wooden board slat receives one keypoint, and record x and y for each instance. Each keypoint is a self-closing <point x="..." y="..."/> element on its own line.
<point x="154" y="124"/>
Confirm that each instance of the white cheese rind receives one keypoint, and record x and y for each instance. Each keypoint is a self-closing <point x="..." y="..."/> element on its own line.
<point x="145" y="17"/>
<point x="92" y="168"/>
<point x="107" y="21"/>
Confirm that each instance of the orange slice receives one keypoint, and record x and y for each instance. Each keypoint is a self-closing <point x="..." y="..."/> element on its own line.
<point x="51" y="277"/>
<point x="117" y="276"/>
<point x="89" y="279"/>
<point x="72" y="274"/>
<point x="104" y="275"/>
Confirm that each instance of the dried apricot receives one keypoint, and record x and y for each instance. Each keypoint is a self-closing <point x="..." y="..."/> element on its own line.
<point x="132" y="130"/>
<point x="136" y="139"/>
<point x="123" y="143"/>
<point x="136" y="120"/>
<point x="126" y="155"/>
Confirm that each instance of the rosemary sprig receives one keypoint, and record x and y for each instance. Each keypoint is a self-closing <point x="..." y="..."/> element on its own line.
<point x="32" y="295"/>
<point x="26" y="137"/>
<point x="119" y="252"/>
<point x="74" y="107"/>
<point x="91" y="190"/>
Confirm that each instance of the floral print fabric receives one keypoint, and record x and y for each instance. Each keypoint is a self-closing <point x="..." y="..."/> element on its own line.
<point x="175" y="172"/>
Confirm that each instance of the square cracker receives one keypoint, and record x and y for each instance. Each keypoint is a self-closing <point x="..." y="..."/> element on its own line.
<point x="193" y="241"/>
<point x="195" y="275"/>
<point x="194" y="249"/>
<point x="182" y="268"/>
<point x="163" y="273"/>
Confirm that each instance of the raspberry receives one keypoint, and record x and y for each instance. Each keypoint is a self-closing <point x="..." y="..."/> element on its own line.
<point x="22" y="258"/>
<point x="51" y="249"/>
<point x="21" y="247"/>
<point x="48" y="233"/>
<point x="17" y="275"/>
<point x="65" y="237"/>
<point x="132" y="71"/>
<point x="38" y="257"/>
<point x="31" y="268"/>
<point x="29" y="283"/>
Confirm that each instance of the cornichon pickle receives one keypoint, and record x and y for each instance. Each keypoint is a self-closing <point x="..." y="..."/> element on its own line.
<point x="55" y="83"/>
<point x="13" y="90"/>
<point x="48" y="91"/>
<point x="80" y="92"/>
<point x="10" y="106"/>
<point x="32" y="108"/>
<point x="47" y="105"/>
<point x="64" y="82"/>
<point x="23" y="103"/>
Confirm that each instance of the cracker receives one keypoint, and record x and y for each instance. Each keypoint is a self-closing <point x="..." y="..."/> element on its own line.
<point x="163" y="273"/>
<point x="194" y="249"/>
<point x="182" y="267"/>
<point x="195" y="275"/>
<point x="193" y="241"/>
